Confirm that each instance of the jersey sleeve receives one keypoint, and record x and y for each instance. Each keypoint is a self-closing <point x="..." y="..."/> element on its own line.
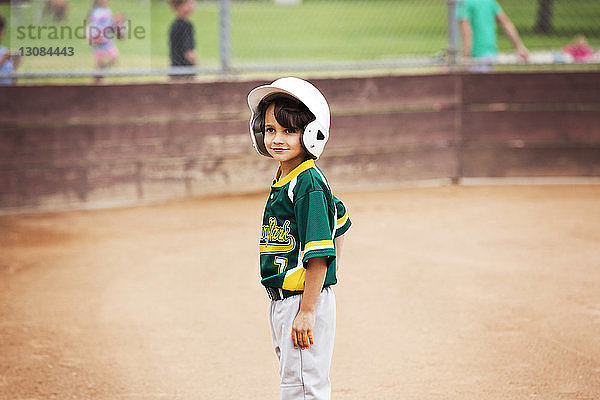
<point x="315" y="225"/>
<point x="497" y="8"/>
<point x="343" y="220"/>
<point x="461" y="11"/>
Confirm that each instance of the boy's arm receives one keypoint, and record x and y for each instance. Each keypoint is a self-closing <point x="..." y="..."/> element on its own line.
<point x="190" y="55"/>
<point x="513" y="35"/>
<point x="4" y="58"/>
<point x="304" y="323"/>
<point x="467" y="37"/>
<point x="339" y="242"/>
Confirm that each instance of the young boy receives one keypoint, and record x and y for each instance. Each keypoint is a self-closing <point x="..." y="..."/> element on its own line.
<point x="477" y="21"/>
<point x="9" y="61"/>
<point x="181" y="36"/>
<point x="301" y="234"/>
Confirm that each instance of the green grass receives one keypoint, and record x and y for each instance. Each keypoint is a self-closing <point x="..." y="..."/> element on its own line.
<point x="336" y="30"/>
<point x="571" y="17"/>
<point x="316" y="30"/>
<point x="46" y="33"/>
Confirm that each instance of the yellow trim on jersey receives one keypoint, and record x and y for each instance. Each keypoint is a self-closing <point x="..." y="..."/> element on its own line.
<point x="294" y="279"/>
<point x="342" y="220"/>
<point x="318" y="245"/>
<point x="308" y="164"/>
<point x="276" y="248"/>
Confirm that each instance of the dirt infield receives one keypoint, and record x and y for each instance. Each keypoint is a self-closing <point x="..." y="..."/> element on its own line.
<point x="445" y="293"/>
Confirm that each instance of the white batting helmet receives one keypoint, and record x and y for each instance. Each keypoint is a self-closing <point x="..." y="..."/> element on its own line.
<point x="316" y="133"/>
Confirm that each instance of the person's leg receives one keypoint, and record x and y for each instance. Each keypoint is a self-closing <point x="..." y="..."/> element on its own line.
<point x="304" y="373"/>
<point x="282" y="314"/>
<point x="316" y="361"/>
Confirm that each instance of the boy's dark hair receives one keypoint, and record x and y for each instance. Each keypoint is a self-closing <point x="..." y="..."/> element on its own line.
<point x="2" y="23"/>
<point x="289" y="112"/>
<point x="176" y="3"/>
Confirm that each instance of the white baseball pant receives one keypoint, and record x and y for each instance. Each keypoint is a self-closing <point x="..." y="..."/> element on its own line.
<point x="304" y="373"/>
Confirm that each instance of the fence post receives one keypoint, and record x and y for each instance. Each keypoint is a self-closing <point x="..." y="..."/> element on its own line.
<point x="224" y="37"/>
<point x="452" y="32"/>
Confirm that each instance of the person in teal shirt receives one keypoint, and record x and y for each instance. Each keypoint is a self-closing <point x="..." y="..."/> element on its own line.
<point x="478" y="21"/>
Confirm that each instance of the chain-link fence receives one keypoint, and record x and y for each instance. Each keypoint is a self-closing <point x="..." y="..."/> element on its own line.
<point x="70" y="38"/>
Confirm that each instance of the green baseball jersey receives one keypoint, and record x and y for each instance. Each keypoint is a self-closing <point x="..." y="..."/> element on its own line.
<point x="301" y="220"/>
<point x="481" y="14"/>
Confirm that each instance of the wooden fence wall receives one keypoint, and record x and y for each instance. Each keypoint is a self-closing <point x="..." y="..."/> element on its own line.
<point x="88" y="146"/>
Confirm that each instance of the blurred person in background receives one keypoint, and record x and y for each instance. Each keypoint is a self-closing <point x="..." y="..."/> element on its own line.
<point x="9" y="61"/>
<point x="182" y="46"/>
<point x="102" y="29"/>
<point x="579" y="49"/>
<point x="57" y="9"/>
<point x="478" y="21"/>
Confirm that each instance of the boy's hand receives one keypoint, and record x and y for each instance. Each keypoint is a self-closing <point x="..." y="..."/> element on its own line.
<point x="304" y="323"/>
<point x="523" y="53"/>
<point x="190" y="55"/>
<point x="302" y="329"/>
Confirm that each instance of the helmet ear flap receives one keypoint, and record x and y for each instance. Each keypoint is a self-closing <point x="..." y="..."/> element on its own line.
<point x="260" y="144"/>
<point x="258" y="137"/>
<point x="314" y="139"/>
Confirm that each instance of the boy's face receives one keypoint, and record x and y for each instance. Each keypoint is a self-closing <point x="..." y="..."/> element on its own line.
<point x="187" y="8"/>
<point x="283" y="144"/>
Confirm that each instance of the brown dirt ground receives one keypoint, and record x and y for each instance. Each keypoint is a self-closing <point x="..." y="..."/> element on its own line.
<point x="445" y="293"/>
